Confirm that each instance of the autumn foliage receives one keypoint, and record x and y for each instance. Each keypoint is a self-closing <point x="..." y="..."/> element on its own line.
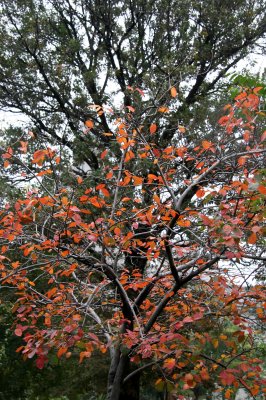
<point x="148" y="262"/>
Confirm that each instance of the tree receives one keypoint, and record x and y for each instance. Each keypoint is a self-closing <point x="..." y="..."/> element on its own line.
<point x="59" y="56"/>
<point x="137" y="260"/>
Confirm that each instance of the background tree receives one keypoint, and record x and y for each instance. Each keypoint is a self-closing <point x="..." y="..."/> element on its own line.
<point x="58" y="57"/>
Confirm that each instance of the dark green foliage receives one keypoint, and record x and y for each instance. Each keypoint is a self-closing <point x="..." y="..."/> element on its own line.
<point x="61" y="380"/>
<point x="58" y="57"/>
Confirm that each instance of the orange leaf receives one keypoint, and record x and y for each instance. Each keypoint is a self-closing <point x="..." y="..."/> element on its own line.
<point x="257" y="89"/>
<point x="163" y="109"/>
<point x="105" y="192"/>
<point x="181" y="128"/>
<point x="262" y="189"/>
<point x="108" y="241"/>
<point x="169" y="363"/>
<point x="96" y="202"/>
<point x="38" y="157"/>
<point x="84" y="354"/>
<point x="246" y="136"/>
<point x="206" y="145"/>
<point x="137" y="180"/>
<point x="204" y="374"/>
<point x="15" y="264"/>
<point x="260" y="312"/>
<point x="223" y="120"/>
<point x="64" y="201"/>
<point x="117" y="231"/>
<point x="89" y="124"/>
<point x="173" y="91"/>
<point x="45" y="172"/>
<point x="184" y="223"/>
<point x="8" y="154"/>
<point x="200" y="193"/>
<point x="104" y="154"/>
<point x="252" y="238"/>
<point x="129" y="155"/>
<point x="109" y="175"/>
<point x="153" y="128"/>
<point x="242" y="160"/>
<point x="64" y="253"/>
<point x="227" y="394"/>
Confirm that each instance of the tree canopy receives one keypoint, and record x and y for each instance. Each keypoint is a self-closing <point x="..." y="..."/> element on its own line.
<point x="136" y="222"/>
<point x="58" y="57"/>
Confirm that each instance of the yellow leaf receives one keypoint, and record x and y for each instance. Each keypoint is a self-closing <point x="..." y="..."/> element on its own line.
<point x="181" y="128"/>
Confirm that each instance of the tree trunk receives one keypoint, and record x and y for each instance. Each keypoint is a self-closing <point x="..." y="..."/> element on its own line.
<point x="119" y="369"/>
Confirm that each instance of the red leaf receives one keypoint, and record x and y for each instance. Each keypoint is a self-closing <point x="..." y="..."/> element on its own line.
<point x="153" y="129"/>
<point x="18" y="332"/>
<point x="40" y="362"/>
<point x="223" y="120"/>
<point x="61" y="351"/>
<point x="227" y="378"/>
